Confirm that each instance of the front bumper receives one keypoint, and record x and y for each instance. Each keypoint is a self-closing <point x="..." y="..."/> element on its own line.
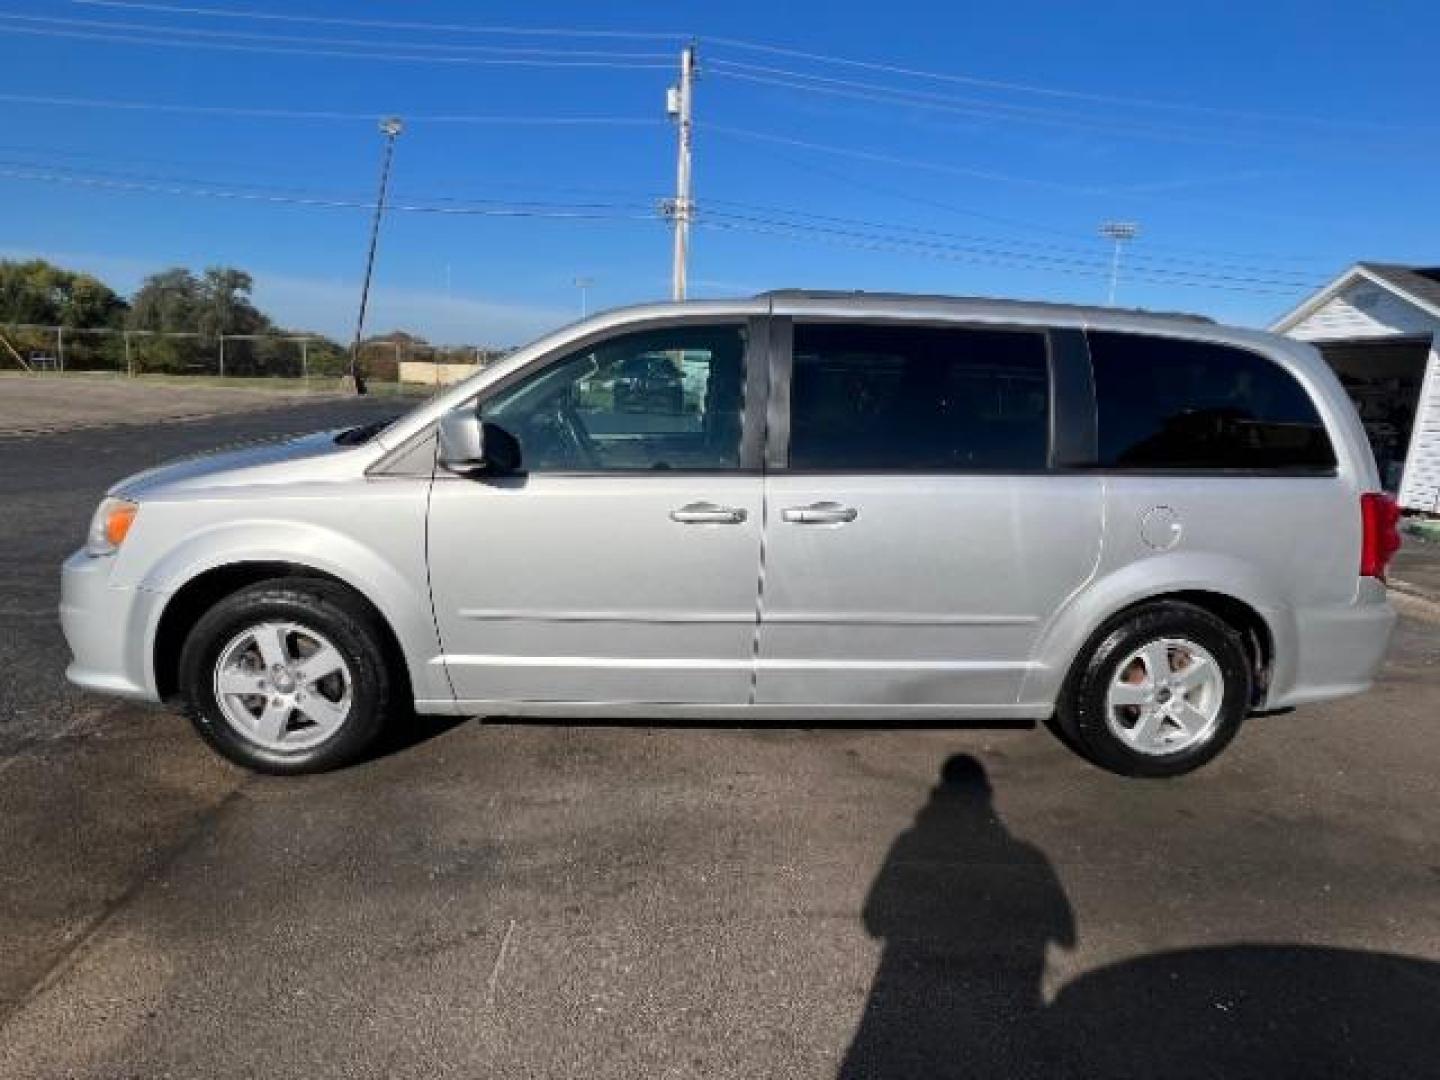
<point x="106" y="629"/>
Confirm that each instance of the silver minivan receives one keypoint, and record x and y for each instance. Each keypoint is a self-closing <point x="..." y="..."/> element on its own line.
<point x="797" y="508"/>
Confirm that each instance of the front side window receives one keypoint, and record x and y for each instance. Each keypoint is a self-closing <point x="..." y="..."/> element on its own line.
<point x="1167" y="403"/>
<point x="655" y="399"/>
<point x="918" y="398"/>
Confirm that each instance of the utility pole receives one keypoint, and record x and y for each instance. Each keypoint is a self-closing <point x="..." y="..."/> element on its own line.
<point x="1121" y="232"/>
<point x="390" y="127"/>
<point x="678" y="100"/>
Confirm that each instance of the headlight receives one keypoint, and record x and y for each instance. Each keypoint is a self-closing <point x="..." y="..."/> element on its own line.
<point x="110" y="526"/>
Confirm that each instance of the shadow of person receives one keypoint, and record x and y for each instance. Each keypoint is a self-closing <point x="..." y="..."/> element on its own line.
<point x="966" y="912"/>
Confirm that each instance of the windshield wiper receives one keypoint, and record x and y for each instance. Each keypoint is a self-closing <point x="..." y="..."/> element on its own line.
<point x="364" y="433"/>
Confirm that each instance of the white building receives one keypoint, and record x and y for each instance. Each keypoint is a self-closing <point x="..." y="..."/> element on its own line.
<point x="1378" y="325"/>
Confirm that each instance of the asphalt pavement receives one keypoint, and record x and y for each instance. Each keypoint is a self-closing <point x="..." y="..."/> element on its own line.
<point x="529" y="900"/>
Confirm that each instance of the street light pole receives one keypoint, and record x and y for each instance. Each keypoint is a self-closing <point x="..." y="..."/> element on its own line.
<point x="1121" y="232"/>
<point x="390" y="127"/>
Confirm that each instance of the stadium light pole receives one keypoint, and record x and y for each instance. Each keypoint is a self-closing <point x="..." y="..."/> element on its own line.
<point x="1121" y="232"/>
<point x="390" y="127"/>
<point x="584" y="284"/>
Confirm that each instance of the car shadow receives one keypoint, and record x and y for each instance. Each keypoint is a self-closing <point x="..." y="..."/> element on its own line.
<point x="407" y="730"/>
<point x="966" y="912"/>
<point x="949" y="723"/>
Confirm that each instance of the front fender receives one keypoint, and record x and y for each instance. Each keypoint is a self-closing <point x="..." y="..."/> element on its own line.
<point x="398" y="592"/>
<point x="1067" y="631"/>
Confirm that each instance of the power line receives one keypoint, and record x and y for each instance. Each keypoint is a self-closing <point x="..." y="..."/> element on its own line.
<point x="913" y="163"/>
<point x="1162" y="263"/>
<point x="908" y="71"/>
<point x="626" y="200"/>
<point x="558" y="211"/>
<point x="865" y="244"/>
<point x="133" y="39"/>
<point x="1132" y="192"/>
<point x="1225" y="257"/>
<point x="716" y="220"/>
<point x="320" y="114"/>
<point x="382" y="24"/>
<point x="636" y="206"/>
<point x="970" y="107"/>
<point x="1035" y="88"/>
<point x="181" y="31"/>
<point x="1158" y="274"/>
<point x="985" y="110"/>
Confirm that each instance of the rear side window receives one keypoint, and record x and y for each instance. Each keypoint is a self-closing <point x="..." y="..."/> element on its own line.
<point x="918" y="398"/>
<point x="1166" y="403"/>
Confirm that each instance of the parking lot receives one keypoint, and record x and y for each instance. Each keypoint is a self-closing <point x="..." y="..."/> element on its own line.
<point x="517" y="899"/>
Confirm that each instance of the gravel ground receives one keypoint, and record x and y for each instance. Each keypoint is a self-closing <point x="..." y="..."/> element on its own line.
<point x="37" y="405"/>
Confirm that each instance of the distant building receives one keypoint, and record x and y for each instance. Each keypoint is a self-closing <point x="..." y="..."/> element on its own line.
<point x="1378" y="326"/>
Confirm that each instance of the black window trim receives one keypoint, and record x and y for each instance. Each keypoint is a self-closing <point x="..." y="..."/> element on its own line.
<point x="1068" y="383"/>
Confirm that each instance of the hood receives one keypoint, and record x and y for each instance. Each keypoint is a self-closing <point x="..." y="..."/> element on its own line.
<point x="306" y="457"/>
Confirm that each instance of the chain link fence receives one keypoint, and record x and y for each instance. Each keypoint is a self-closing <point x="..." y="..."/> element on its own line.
<point x="314" y="360"/>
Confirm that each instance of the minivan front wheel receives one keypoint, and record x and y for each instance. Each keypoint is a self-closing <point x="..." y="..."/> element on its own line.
<point x="286" y="677"/>
<point x="1158" y="693"/>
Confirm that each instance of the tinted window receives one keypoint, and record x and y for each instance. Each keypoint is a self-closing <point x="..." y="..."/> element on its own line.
<point x="919" y="398"/>
<point x="1171" y="404"/>
<point x="659" y="399"/>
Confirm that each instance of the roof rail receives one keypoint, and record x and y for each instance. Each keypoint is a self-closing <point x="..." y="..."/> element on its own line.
<point x="862" y="294"/>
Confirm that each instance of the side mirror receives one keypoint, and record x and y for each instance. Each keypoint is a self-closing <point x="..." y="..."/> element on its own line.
<point x="468" y="445"/>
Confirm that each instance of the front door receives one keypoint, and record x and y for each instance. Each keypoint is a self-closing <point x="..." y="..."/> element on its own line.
<point x="623" y="564"/>
<point x="917" y="537"/>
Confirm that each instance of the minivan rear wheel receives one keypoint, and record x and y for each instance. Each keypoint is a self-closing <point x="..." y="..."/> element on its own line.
<point x="286" y="677"/>
<point x="1158" y="692"/>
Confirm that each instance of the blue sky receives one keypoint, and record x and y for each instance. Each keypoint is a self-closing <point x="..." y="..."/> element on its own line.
<point x="1262" y="147"/>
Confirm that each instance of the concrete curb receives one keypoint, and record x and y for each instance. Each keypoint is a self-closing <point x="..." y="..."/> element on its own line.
<point x="1415" y="592"/>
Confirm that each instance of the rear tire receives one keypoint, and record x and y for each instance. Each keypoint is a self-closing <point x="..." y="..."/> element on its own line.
<point x="287" y="676"/>
<point x="1158" y="692"/>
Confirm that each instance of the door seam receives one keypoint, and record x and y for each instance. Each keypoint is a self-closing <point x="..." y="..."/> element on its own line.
<point x="767" y="390"/>
<point x="759" y="591"/>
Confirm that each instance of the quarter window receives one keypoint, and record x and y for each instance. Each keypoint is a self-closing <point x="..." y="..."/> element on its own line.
<point x="918" y="398"/>
<point x="1167" y="403"/>
<point x="657" y="399"/>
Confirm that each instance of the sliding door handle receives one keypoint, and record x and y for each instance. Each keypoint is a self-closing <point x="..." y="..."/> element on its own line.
<point x="705" y="513"/>
<point x="820" y="513"/>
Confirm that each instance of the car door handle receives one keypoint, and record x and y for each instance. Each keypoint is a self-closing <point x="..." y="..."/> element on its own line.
<point x="706" y="513"/>
<point x="820" y="513"/>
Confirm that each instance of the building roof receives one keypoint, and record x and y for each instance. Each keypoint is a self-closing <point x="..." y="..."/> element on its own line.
<point x="1418" y="285"/>
<point x="1415" y="282"/>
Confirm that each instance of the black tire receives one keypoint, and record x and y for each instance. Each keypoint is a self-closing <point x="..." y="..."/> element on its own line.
<point x="1081" y="709"/>
<point x="333" y="612"/>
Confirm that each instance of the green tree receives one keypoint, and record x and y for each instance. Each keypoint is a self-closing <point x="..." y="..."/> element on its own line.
<point x="225" y="306"/>
<point x="36" y="291"/>
<point x="167" y="302"/>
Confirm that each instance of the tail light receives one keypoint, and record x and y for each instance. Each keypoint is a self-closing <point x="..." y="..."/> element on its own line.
<point x="1380" y="533"/>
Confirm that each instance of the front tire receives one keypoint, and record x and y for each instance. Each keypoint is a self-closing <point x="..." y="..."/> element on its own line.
<point x="287" y="677"/>
<point x="1158" y="692"/>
